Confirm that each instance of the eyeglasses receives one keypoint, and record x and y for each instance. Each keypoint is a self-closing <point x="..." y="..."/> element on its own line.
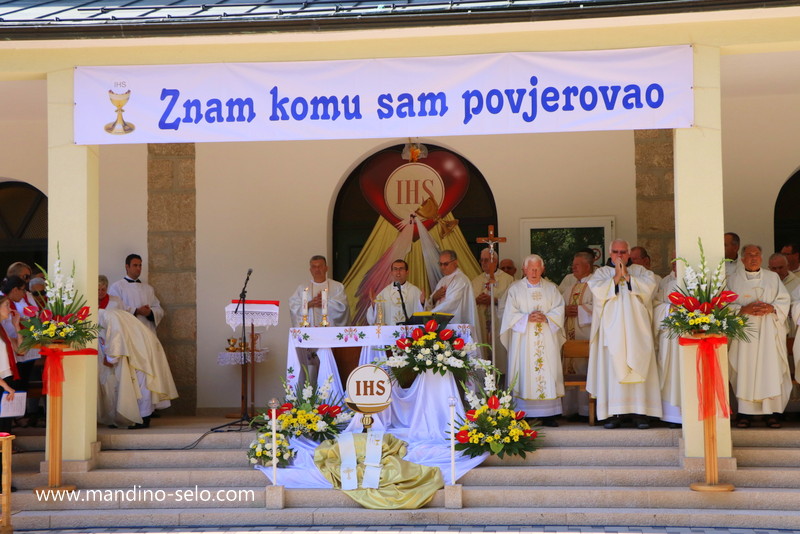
<point x="619" y="251"/>
<point x="445" y="263"/>
<point x="39" y="293"/>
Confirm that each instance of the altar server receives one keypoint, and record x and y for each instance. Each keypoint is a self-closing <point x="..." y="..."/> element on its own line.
<point x="138" y="297"/>
<point x="759" y="367"/>
<point x="398" y="300"/>
<point x="482" y="291"/>
<point x="533" y="333"/>
<point x="623" y="374"/>
<point x="313" y="292"/>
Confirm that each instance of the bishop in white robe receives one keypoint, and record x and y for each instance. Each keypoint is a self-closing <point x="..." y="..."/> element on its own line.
<point x="453" y="294"/>
<point x="533" y="333"/>
<point x="623" y="374"/>
<point x="397" y="301"/>
<point x="667" y="352"/>
<point x="138" y="297"/>
<point x="759" y="367"/>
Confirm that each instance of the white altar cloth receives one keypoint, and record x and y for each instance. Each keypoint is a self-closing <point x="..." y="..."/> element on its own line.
<point x="256" y="312"/>
<point x="418" y="415"/>
<point x="372" y="339"/>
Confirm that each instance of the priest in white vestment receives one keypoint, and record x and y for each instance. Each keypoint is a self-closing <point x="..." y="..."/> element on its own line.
<point x="453" y="294"/>
<point x="135" y="378"/>
<point x="482" y="291"/>
<point x="779" y="264"/>
<point x="732" y="242"/>
<point x="667" y="352"/>
<point x="759" y="368"/>
<point x="533" y="333"/>
<point x="138" y="297"/>
<point x="623" y="374"/>
<point x="577" y="326"/>
<point x="320" y="286"/>
<point x="507" y="266"/>
<point x="398" y="300"/>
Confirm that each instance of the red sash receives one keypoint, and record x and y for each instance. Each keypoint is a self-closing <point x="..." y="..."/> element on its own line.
<point x="710" y="386"/>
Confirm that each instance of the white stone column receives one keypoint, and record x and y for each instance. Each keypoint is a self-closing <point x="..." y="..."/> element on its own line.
<point x="699" y="214"/>
<point x="73" y="203"/>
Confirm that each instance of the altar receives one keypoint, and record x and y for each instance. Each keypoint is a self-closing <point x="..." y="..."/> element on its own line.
<point x="418" y="414"/>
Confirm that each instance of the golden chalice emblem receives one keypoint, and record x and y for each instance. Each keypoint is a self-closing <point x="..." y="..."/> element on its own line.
<point x="119" y="126"/>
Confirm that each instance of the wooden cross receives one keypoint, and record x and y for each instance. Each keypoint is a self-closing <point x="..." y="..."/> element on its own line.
<point x="491" y="239"/>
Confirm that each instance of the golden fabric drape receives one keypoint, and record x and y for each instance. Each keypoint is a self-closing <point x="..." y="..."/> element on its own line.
<point x="403" y="485"/>
<point x="382" y="237"/>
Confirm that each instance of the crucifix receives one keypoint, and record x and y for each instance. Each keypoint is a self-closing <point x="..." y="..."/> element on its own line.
<point x="491" y="240"/>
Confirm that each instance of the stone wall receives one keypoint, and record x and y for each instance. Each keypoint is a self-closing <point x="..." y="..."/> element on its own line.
<point x="171" y="208"/>
<point x="655" y="196"/>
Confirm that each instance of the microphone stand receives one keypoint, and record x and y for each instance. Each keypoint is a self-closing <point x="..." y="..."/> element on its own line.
<point x="243" y="423"/>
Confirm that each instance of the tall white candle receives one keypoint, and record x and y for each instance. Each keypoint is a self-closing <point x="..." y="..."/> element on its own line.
<point x="325" y="301"/>
<point x="305" y="301"/>
<point x="274" y="448"/>
<point x="452" y="441"/>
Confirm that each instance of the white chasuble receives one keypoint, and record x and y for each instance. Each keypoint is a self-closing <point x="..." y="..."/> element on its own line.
<point x="135" y="295"/>
<point x="338" y="308"/>
<point x="389" y="299"/>
<point x="458" y="300"/>
<point x="623" y="375"/>
<point x="667" y="352"/>
<point x="534" y="349"/>
<point x="759" y="368"/>
<point x="141" y="373"/>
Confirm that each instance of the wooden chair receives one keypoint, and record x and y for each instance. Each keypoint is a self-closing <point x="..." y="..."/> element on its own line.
<point x="578" y="349"/>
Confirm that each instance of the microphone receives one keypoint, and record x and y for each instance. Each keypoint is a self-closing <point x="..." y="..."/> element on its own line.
<point x="249" y="271"/>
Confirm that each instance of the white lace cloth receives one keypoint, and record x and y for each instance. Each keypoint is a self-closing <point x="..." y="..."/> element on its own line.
<point x="256" y="312"/>
<point x="235" y="358"/>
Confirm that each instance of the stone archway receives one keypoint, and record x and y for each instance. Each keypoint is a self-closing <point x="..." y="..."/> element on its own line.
<point x="23" y="225"/>
<point x="787" y="214"/>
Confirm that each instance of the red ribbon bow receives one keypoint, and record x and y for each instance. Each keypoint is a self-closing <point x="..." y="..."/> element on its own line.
<point x="53" y="372"/>
<point x="710" y="386"/>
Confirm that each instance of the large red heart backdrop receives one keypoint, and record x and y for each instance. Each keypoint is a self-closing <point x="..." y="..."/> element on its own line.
<point x="378" y="168"/>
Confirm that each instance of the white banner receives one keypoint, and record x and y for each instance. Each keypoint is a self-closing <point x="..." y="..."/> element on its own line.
<point x="383" y="98"/>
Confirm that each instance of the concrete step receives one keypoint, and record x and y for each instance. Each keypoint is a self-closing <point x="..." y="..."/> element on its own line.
<point x="485" y="497"/>
<point x="150" y="478"/>
<point x="601" y="455"/>
<point x="577" y="476"/>
<point x="767" y="456"/>
<point x="338" y="516"/>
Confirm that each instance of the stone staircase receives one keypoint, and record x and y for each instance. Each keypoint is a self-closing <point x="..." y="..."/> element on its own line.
<point x="581" y="475"/>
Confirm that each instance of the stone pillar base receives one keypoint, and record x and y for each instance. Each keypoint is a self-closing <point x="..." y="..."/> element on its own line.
<point x="275" y="497"/>
<point x="453" y="496"/>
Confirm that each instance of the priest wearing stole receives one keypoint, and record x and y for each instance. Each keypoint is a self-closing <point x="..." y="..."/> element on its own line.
<point x="320" y="292"/>
<point x="399" y="300"/>
<point x="759" y="368"/>
<point x="453" y="293"/>
<point x="533" y="332"/>
<point x="623" y="374"/>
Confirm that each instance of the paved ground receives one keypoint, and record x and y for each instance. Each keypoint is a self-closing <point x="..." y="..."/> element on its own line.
<point x="418" y="530"/>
